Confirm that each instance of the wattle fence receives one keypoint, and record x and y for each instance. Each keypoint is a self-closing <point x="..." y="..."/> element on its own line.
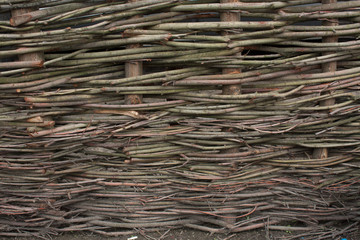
<point x="224" y="116"/>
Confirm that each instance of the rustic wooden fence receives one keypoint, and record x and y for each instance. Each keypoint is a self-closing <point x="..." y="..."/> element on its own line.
<point x="223" y="116"/>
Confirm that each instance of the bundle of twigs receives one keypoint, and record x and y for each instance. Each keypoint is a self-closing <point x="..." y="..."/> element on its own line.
<point x="121" y="116"/>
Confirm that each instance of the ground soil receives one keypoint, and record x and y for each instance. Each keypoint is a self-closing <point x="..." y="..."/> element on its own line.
<point x="171" y="235"/>
<point x="179" y="234"/>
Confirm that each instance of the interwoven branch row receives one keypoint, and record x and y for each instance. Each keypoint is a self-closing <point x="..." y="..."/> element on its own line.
<point x="76" y="155"/>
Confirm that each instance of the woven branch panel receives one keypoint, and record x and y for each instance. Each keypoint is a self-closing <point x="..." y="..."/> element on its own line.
<point x="223" y="116"/>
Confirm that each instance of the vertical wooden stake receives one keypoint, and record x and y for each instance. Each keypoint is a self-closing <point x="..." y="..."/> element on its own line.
<point x="320" y="153"/>
<point x="133" y="69"/>
<point x="36" y="56"/>
<point x="229" y="16"/>
<point x="230" y="89"/>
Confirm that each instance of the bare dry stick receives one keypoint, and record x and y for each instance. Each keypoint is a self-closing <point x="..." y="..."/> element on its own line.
<point x="27" y="15"/>
<point x="21" y="64"/>
<point x="320" y="153"/>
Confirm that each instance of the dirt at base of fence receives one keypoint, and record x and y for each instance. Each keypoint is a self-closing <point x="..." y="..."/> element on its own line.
<point x="189" y="234"/>
<point x="177" y="234"/>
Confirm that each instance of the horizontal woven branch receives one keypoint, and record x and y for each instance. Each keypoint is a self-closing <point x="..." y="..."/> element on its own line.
<point x="76" y="156"/>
